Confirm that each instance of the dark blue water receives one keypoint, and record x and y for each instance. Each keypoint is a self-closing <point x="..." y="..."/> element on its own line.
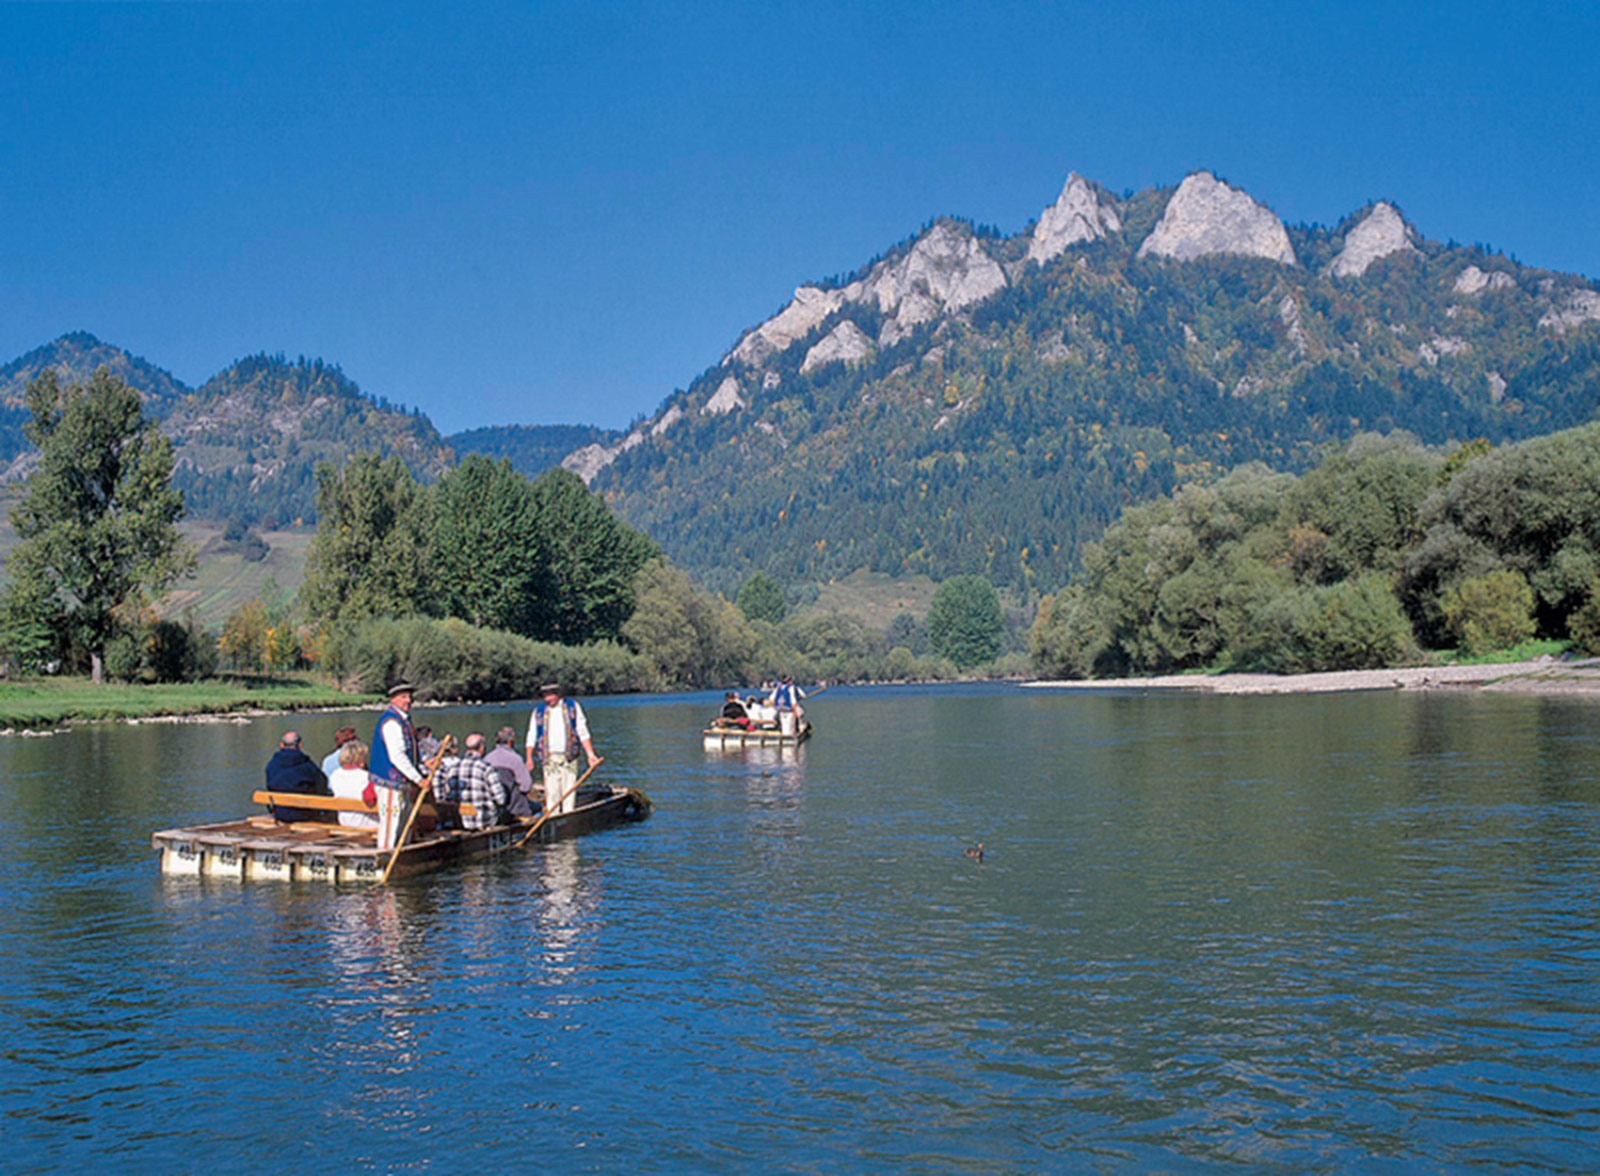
<point x="1352" y="933"/>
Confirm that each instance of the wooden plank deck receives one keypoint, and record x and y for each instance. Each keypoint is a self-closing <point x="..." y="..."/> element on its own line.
<point x="260" y="848"/>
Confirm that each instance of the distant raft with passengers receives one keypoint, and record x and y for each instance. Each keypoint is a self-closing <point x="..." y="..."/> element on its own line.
<point x="264" y="848"/>
<point x="776" y="719"/>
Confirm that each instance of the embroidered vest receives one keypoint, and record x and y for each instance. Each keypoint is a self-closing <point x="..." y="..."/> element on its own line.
<point x="379" y="764"/>
<point x="541" y="730"/>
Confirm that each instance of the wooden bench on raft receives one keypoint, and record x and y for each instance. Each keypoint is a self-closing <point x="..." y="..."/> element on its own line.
<point x="333" y="805"/>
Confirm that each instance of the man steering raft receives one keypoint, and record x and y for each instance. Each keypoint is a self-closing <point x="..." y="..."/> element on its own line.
<point x="394" y="763"/>
<point x="558" y="728"/>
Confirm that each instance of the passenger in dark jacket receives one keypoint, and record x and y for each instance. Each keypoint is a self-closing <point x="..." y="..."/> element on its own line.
<point x="292" y="770"/>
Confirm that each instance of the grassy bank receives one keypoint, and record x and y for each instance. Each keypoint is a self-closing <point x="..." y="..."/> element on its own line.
<point x="47" y="702"/>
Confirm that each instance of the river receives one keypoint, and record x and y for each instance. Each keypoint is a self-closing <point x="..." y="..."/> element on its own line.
<point x="1337" y="933"/>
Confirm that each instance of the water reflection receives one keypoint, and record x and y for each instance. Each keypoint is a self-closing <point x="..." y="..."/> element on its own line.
<point x="562" y="912"/>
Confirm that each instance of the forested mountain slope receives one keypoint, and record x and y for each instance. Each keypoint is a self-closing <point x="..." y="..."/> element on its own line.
<point x="248" y="440"/>
<point x="76" y="357"/>
<point x="973" y="402"/>
<point x="531" y="449"/>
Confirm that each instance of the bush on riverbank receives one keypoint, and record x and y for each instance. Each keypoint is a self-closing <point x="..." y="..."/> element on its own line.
<point x="1384" y="551"/>
<point x="452" y="659"/>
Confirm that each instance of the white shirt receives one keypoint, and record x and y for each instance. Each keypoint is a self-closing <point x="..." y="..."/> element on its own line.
<point x="555" y="720"/>
<point x="351" y="783"/>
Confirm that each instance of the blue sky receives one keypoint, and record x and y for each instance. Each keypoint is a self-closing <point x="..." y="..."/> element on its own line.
<point x="558" y="213"/>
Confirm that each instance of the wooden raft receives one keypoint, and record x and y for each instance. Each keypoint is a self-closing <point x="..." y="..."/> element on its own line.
<point x="264" y="848"/>
<point x="716" y="736"/>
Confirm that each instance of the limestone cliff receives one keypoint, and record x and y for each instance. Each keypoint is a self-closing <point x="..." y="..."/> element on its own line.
<point x="946" y="270"/>
<point x="811" y="306"/>
<point x="724" y="400"/>
<point x="1078" y="215"/>
<point x="1206" y="217"/>
<point x="846" y="343"/>
<point x="1473" y="280"/>
<point x="1381" y="233"/>
<point x="1581" y="306"/>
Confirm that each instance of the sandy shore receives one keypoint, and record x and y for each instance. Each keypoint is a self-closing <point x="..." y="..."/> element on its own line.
<point x="1545" y="676"/>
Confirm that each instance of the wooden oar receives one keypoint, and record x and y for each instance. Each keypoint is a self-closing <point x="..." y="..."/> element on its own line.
<point x="550" y="810"/>
<point x="446" y="745"/>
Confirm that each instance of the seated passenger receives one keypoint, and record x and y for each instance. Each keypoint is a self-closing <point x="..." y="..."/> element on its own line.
<point x="474" y="781"/>
<point x="292" y="770"/>
<point x="734" y="713"/>
<point x="330" y="762"/>
<point x="427" y="743"/>
<point x="513" y="770"/>
<point x="353" y="781"/>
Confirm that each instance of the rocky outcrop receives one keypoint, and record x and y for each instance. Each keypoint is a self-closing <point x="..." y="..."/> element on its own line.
<point x="591" y="459"/>
<point x="1077" y="216"/>
<point x="947" y="263"/>
<point x="669" y="418"/>
<point x="1440" y="346"/>
<point x="724" y="400"/>
<point x="1207" y="217"/>
<point x="1383" y="232"/>
<point x="1582" y="306"/>
<point x="1473" y="280"/>
<point x="946" y="270"/>
<point x="811" y="306"/>
<point x="1293" y="322"/>
<point x="846" y="343"/>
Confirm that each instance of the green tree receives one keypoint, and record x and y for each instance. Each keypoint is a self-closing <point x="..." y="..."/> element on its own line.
<point x="761" y="599"/>
<point x="374" y="537"/>
<point x="1068" y="636"/>
<point x="592" y="558"/>
<point x="98" y="522"/>
<point x="1584" y="624"/>
<point x="483" y="570"/>
<point x="688" y="636"/>
<point x="1491" y="612"/>
<point x="965" y="623"/>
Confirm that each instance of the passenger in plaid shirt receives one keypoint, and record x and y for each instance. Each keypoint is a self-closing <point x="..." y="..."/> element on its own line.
<point x="473" y="780"/>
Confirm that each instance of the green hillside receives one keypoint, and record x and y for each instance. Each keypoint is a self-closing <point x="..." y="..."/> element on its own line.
<point x="1000" y="437"/>
<point x="250" y="438"/>
<point x="76" y="356"/>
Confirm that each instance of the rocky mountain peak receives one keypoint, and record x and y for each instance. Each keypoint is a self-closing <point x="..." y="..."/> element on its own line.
<point x="1381" y="233"/>
<point x="1206" y="217"/>
<point x="1077" y="216"/>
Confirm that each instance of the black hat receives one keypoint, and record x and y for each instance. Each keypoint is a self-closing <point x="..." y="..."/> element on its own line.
<point x="550" y="688"/>
<point x="402" y="687"/>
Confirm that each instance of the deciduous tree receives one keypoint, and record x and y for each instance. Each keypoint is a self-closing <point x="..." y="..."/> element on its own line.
<point x="98" y="522"/>
<point x="374" y="536"/>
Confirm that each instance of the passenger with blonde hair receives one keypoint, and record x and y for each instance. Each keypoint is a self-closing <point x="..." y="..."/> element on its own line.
<point x="352" y="781"/>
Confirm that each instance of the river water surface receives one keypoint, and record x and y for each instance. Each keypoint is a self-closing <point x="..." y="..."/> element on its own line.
<point x="1323" y="934"/>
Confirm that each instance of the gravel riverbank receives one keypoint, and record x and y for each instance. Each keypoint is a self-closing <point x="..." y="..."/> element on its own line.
<point x="1544" y="676"/>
